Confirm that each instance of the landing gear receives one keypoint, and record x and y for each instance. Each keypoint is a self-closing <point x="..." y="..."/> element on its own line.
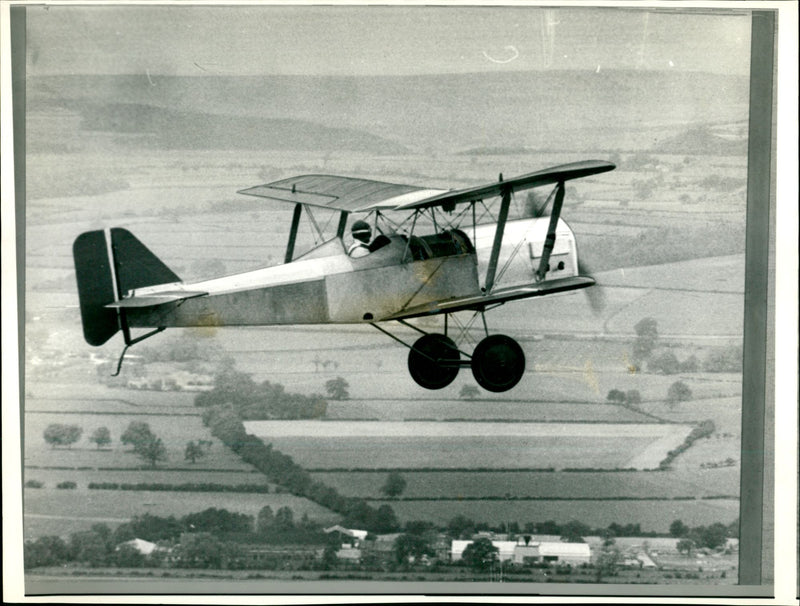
<point x="433" y="361"/>
<point x="498" y="363"/>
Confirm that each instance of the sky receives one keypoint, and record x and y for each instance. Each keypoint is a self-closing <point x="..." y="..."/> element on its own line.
<point x="378" y="40"/>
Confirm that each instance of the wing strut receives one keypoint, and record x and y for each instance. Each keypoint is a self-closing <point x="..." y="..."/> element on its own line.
<point x="498" y="238"/>
<point x="342" y="224"/>
<point x="298" y="210"/>
<point x="544" y="262"/>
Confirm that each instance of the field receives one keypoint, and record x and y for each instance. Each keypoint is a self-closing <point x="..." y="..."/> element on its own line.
<point x="531" y="484"/>
<point x="467" y="444"/>
<point x="56" y="511"/>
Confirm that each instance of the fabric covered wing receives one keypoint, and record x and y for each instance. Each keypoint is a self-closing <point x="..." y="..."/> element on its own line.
<point x="498" y="296"/>
<point x="363" y="195"/>
<point x="548" y="176"/>
<point x="342" y="193"/>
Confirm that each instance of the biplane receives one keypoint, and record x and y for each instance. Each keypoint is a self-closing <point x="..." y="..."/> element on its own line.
<point x="432" y="254"/>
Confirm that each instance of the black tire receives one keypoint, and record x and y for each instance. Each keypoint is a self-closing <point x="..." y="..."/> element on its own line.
<point x="423" y="357"/>
<point x="498" y="363"/>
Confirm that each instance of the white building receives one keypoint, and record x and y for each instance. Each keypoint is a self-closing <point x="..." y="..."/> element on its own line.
<point x="519" y="552"/>
<point x="505" y="549"/>
<point x="140" y="545"/>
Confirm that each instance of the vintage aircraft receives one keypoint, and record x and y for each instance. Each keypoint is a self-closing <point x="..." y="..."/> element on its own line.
<point x="122" y="285"/>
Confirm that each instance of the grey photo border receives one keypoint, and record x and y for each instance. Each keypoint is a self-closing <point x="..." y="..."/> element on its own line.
<point x="757" y="532"/>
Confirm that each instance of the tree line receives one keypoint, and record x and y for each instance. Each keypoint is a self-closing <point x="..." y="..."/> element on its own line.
<point x="146" y="445"/>
<point x="216" y="538"/>
<point x="265" y="400"/>
<point x="280" y="468"/>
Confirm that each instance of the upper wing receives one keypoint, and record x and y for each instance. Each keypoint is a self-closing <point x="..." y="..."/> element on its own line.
<point x="500" y="295"/>
<point x="354" y="195"/>
<point x="548" y="176"/>
<point x="342" y="193"/>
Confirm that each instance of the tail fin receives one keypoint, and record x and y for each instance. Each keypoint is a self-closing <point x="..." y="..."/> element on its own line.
<point x="109" y="263"/>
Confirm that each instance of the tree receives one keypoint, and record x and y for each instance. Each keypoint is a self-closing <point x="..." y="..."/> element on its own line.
<point x="460" y="526"/>
<point x="329" y="557"/>
<point x="574" y="531"/>
<point x="410" y="546"/>
<point x="615" y="395"/>
<point x="678" y="392"/>
<point x="149" y="528"/>
<point x="646" y="337"/>
<point x="104" y="532"/>
<point x="57" y="434"/>
<point x="200" y="550"/>
<point x="395" y="484"/>
<point x="337" y="389"/>
<point x="89" y="547"/>
<point x="383" y="520"/>
<point x="608" y="559"/>
<point x="137" y="432"/>
<point x="469" y="392"/>
<point x="713" y="536"/>
<point x="217" y="520"/>
<point x="480" y="554"/>
<point x="265" y="519"/>
<point x="127" y="556"/>
<point x="685" y="545"/>
<point x="101" y="437"/>
<point x="193" y="451"/>
<point x="678" y="529"/>
<point x="45" y="551"/>
<point x="152" y="451"/>
<point x="284" y="519"/>
<point x="664" y="363"/>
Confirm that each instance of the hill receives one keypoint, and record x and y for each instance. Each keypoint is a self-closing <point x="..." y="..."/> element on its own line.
<point x="545" y="109"/>
<point x="704" y="140"/>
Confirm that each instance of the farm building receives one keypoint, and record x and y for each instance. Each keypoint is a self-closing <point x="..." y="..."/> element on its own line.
<point x="521" y="552"/>
<point x="349" y="536"/>
<point x="140" y="545"/>
<point x="383" y="545"/>
<point x="556" y="553"/>
<point x="351" y="541"/>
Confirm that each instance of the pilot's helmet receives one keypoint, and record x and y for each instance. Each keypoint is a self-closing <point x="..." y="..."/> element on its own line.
<point x="361" y="231"/>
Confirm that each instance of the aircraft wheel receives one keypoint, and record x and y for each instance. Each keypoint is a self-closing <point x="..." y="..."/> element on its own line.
<point x="422" y="361"/>
<point x="498" y="363"/>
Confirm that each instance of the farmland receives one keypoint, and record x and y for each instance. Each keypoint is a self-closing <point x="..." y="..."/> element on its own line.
<point x="462" y="444"/>
<point x="182" y="205"/>
<point x="54" y="511"/>
<point x="516" y="484"/>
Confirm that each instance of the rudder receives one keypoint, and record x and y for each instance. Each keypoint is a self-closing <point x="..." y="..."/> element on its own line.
<point x="134" y="266"/>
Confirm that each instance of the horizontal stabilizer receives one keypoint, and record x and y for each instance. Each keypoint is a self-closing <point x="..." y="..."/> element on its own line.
<point x="155" y="299"/>
<point x="498" y="296"/>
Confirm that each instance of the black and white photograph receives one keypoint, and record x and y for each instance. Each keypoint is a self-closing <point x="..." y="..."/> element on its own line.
<point x="397" y="299"/>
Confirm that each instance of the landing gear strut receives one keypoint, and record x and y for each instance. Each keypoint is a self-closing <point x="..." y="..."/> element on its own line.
<point x="498" y="363"/>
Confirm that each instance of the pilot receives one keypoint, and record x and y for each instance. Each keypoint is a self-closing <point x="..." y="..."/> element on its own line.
<point x="362" y="234"/>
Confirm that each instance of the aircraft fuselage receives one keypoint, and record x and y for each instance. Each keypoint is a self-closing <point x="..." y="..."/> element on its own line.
<point x="328" y="286"/>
